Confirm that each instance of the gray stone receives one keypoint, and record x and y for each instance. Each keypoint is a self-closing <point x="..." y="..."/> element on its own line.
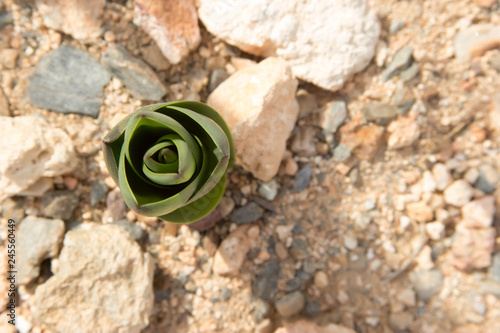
<point x="97" y="192"/>
<point x="410" y="73"/>
<point x="397" y="25"/>
<point x="495" y="268"/>
<point x="218" y="76"/>
<point x="116" y="205"/>
<point x="290" y="304"/>
<point x="309" y="266"/>
<point x="248" y="213"/>
<point x="104" y="284"/>
<point x="379" y="113"/>
<point x="341" y="152"/>
<point x="312" y="309"/>
<point x="488" y="178"/>
<point x="401" y="60"/>
<point x="427" y="283"/>
<point x="403" y="100"/>
<point x="293" y="284"/>
<point x="226" y="293"/>
<point x="68" y="80"/>
<point x="333" y="116"/>
<point x="266" y="283"/>
<point x="6" y="19"/>
<point x="303" y="178"/>
<point x="299" y="249"/>
<point x="135" y="231"/>
<point x="138" y="77"/>
<point x="59" y="204"/>
<point x="38" y="239"/>
<point x="490" y="287"/>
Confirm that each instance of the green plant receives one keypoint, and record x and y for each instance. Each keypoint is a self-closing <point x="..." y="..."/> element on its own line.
<point x="170" y="160"/>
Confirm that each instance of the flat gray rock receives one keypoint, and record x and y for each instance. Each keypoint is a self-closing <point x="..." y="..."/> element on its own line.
<point x="135" y="74"/>
<point x="39" y="239"/>
<point x="68" y="80"/>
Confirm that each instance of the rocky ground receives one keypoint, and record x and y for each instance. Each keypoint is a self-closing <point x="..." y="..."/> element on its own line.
<point x="380" y="215"/>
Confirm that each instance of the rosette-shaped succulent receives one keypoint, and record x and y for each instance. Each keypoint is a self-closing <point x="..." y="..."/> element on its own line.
<point x="170" y="160"/>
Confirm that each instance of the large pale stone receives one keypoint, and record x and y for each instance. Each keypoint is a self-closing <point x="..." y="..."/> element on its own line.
<point x="81" y="19"/>
<point x="325" y="42"/>
<point x="31" y="150"/>
<point x="104" y="284"/>
<point x="258" y="103"/>
<point x="173" y="24"/>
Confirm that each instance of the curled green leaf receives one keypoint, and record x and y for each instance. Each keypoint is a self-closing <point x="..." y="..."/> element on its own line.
<point x="170" y="160"/>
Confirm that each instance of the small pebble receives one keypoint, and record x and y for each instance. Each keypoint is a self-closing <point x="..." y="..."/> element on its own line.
<point x="435" y="230"/>
<point x="400" y="61"/>
<point x="303" y="178"/>
<point x="290" y="304"/>
<point x="442" y="176"/>
<point x="321" y="279"/>
<point x="488" y="178"/>
<point x="458" y="193"/>
<point x="247" y="214"/>
<point x="312" y="309"/>
<point x="268" y="190"/>
<point x="341" y="152"/>
<point x="351" y="243"/>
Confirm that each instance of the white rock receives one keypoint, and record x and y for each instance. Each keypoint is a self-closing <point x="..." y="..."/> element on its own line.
<point x="232" y="252"/>
<point x="351" y="243"/>
<point x="31" y="150"/>
<point x="428" y="183"/>
<point x="269" y="190"/>
<point x="81" y="19"/>
<point x="403" y="133"/>
<point x="475" y="40"/>
<point x="325" y="42"/>
<point x="435" y="230"/>
<point x="172" y="24"/>
<point x="441" y="176"/>
<point x="258" y="104"/>
<point x="458" y="193"/>
<point x="104" y="283"/>
<point x="479" y="213"/>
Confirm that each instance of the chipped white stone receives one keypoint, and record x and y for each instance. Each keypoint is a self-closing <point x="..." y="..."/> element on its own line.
<point x="458" y="193"/>
<point x="428" y="183"/>
<point x="32" y="150"/>
<point x="258" y="104"/>
<point x="442" y="176"/>
<point x="435" y="230"/>
<point x="308" y="35"/>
